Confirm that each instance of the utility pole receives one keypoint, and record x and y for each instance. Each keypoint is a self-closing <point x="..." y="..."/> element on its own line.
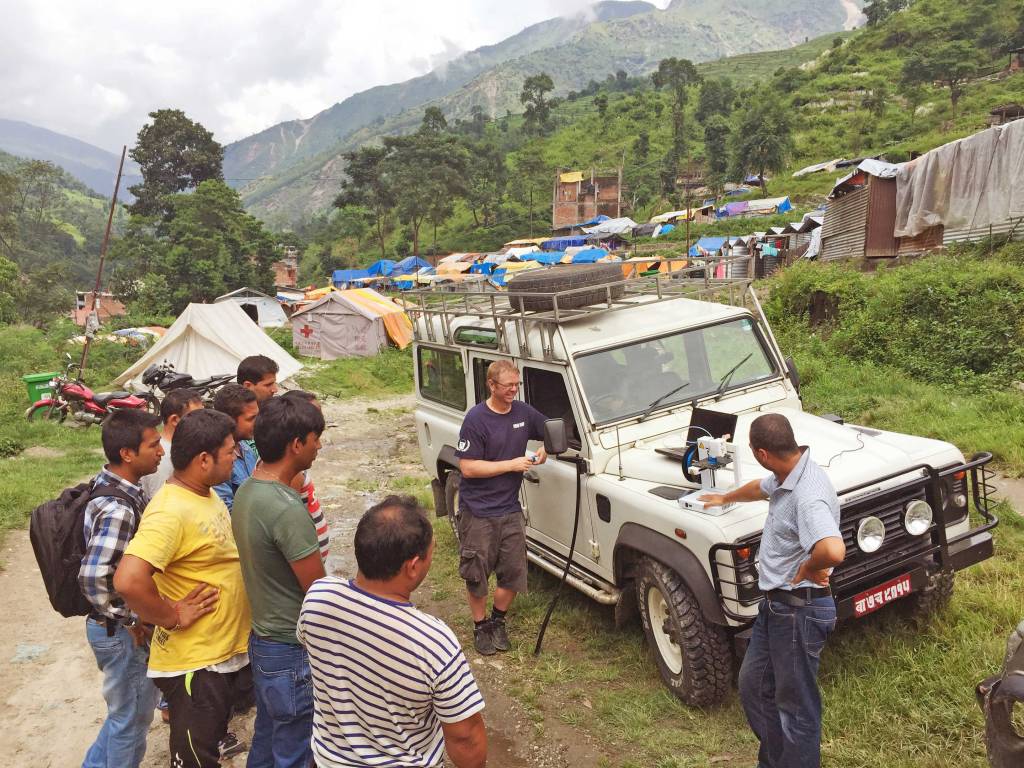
<point x="93" y="320"/>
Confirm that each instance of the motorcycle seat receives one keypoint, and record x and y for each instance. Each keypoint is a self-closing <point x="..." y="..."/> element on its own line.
<point x="105" y="397"/>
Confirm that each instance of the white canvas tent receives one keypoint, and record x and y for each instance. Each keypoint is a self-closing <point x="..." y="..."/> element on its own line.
<point x="208" y="340"/>
<point x="354" y="323"/>
<point x="264" y="310"/>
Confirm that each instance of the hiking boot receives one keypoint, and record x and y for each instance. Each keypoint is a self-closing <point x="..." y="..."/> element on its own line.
<point x="499" y="634"/>
<point x="230" y="746"/>
<point x="483" y="639"/>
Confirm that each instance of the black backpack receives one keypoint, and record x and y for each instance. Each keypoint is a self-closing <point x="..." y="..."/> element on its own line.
<point x="57" y="531"/>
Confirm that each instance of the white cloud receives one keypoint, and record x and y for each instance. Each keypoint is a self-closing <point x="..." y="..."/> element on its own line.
<point x="236" y="66"/>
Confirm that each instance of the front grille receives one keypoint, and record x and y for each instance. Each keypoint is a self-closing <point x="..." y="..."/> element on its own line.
<point x="898" y="544"/>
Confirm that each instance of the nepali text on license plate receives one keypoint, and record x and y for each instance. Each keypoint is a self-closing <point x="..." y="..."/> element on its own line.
<point x="874" y="598"/>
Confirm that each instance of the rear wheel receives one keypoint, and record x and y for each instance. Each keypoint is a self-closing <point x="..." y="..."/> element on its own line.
<point x="451" y="499"/>
<point x="47" y="412"/>
<point x="693" y="656"/>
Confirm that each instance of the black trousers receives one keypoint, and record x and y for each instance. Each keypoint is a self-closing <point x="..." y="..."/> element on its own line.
<point x="200" y="707"/>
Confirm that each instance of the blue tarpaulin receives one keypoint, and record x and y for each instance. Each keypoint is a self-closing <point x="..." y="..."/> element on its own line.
<point x="544" y="257"/>
<point x="381" y="268"/>
<point x="561" y="243"/>
<point x="342" y="277"/>
<point x="498" y="277"/>
<point x="482" y="268"/>
<point x="409" y="265"/>
<point x="592" y="222"/>
<point x="707" y="245"/>
<point x="589" y="256"/>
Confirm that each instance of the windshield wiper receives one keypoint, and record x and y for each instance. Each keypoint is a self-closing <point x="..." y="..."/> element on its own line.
<point x="724" y="381"/>
<point x="656" y="403"/>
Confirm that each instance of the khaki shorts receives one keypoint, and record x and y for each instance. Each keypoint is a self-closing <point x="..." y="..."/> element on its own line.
<point x="492" y="545"/>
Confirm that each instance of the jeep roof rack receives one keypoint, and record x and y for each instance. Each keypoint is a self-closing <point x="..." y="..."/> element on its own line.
<point x="498" y="307"/>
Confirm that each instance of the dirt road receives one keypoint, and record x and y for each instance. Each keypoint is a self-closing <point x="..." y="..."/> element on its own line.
<point x="51" y="706"/>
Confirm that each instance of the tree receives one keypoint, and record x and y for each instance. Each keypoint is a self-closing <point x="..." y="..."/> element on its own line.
<point x="532" y="176"/>
<point x="716" y="148"/>
<point x="8" y="290"/>
<point x="174" y="153"/>
<point x="717" y="97"/>
<point x="676" y="75"/>
<point x="876" y="100"/>
<point x="433" y="121"/>
<point x="762" y="141"/>
<point x="642" y="146"/>
<point x="950" y="63"/>
<point x="601" y="102"/>
<point x="486" y="180"/>
<point x="537" y="117"/>
<point x="369" y="190"/>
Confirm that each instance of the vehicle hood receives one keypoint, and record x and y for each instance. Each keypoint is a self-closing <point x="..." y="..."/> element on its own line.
<point x="850" y="454"/>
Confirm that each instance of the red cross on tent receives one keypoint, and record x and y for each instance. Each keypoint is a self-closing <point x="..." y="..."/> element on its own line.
<point x="306" y="331"/>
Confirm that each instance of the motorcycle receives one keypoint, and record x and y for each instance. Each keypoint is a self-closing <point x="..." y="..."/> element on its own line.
<point x="71" y="397"/>
<point x="164" y="378"/>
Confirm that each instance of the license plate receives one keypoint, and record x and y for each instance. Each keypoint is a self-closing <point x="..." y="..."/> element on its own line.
<point x="874" y="598"/>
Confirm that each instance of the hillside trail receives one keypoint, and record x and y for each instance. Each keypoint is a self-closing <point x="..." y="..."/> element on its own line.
<point x="51" y="705"/>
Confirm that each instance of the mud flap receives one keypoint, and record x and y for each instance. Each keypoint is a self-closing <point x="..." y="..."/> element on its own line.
<point x="440" y="505"/>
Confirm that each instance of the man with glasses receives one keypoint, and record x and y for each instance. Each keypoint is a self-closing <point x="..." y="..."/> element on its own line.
<point x="492" y="459"/>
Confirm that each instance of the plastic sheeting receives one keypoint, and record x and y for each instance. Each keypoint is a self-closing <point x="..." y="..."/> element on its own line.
<point x="210" y="340"/>
<point x="612" y="227"/>
<point x="561" y="243"/>
<point x="544" y="257"/>
<point x="972" y="183"/>
<point x="409" y="265"/>
<point x="342" y="277"/>
<point x="707" y="245"/>
<point x="350" y="323"/>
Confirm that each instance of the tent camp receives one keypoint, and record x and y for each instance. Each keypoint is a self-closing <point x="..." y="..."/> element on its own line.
<point x="209" y="340"/>
<point x="354" y="323"/>
<point x="265" y="311"/>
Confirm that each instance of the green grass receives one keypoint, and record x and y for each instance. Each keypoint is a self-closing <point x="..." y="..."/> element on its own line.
<point x="389" y="373"/>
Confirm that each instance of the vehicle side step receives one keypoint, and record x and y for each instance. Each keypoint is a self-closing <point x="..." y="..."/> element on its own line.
<point x="601" y="595"/>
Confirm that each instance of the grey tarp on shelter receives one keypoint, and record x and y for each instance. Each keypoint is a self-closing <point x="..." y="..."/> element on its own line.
<point x="974" y="182"/>
<point x="335" y="327"/>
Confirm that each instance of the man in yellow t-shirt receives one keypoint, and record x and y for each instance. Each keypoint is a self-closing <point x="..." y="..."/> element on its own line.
<point x="181" y="573"/>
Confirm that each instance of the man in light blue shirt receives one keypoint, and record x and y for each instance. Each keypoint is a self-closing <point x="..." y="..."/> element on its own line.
<point x="800" y="546"/>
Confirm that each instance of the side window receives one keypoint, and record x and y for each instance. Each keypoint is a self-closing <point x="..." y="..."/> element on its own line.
<point x="545" y="391"/>
<point x="480" y="391"/>
<point x="442" y="377"/>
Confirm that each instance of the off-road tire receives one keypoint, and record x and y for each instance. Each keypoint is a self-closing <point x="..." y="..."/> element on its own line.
<point x="564" y="278"/>
<point x="706" y="670"/>
<point x="1004" y="744"/>
<point x="932" y="598"/>
<point x="451" y="499"/>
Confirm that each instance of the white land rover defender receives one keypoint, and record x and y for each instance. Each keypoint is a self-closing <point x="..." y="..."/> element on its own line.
<point x="639" y="370"/>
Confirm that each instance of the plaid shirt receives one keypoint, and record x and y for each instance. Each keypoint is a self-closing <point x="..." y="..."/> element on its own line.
<point x="110" y="524"/>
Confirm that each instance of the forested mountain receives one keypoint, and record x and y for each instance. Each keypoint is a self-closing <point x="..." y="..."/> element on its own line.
<point x="283" y="145"/>
<point x="94" y="167"/>
<point x="295" y="177"/>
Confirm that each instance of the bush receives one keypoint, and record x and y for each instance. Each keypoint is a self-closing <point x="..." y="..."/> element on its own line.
<point x="953" y="318"/>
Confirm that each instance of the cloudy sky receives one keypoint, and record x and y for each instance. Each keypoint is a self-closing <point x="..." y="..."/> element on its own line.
<point x="94" y="70"/>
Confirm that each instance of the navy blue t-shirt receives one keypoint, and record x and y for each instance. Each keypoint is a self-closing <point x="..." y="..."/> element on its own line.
<point x="494" y="436"/>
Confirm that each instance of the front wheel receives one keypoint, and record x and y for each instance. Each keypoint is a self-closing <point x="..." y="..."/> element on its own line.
<point x="152" y="403"/>
<point x="451" y="499"/>
<point x="693" y="656"/>
<point x="47" y="412"/>
<point x="932" y="598"/>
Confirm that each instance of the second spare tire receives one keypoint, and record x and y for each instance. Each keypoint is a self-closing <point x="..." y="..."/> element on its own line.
<point x="564" y="278"/>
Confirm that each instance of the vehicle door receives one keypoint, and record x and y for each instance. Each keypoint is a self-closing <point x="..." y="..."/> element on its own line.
<point x="550" y="488"/>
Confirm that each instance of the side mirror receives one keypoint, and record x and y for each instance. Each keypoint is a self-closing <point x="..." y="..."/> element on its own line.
<point x="794" y="374"/>
<point x="556" y="441"/>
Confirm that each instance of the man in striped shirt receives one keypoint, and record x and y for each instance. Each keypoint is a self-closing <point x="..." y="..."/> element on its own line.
<point x="391" y="685"/>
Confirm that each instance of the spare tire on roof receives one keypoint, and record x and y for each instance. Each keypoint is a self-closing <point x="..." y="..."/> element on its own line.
<point x="564" y="278"/>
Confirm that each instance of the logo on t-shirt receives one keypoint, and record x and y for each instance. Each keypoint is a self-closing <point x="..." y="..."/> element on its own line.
<point x="519" y="424"/>
<point x="463" y="445"/>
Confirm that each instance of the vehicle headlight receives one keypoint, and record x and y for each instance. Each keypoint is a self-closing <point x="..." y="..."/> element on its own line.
<point x="870" y="534"/>
<point x="917" y="517"/>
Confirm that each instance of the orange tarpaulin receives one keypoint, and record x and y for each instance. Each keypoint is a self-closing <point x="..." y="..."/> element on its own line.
<point x="396" y="322"/>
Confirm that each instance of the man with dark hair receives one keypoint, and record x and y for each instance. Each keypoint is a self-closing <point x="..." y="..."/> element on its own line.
<point x="258" y="373"/>
<point x="181" y="566"/>
<point x="175" y="405"/>
<point x="119" y="642"/>
<point x="280" y="557"/>
<point x="391" y="683"/>
<point x="800" y="545"/>
<point x="493" y="459"/>
<point x="240" y="404"/>
<point x="303" y="483"/>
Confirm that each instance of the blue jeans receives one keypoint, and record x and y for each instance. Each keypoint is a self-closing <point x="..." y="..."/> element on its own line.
<point x="129" y="694"/>
<point x="779" y="681"/>
<point x="284" y="705"/>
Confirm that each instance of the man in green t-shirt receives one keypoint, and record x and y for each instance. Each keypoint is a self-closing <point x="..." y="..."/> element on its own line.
<point x="280" y="558"/>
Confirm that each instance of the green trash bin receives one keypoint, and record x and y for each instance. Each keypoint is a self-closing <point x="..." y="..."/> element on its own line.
<point x="38" y="385"/>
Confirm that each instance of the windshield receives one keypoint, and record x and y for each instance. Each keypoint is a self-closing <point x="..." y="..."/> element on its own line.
<point x="627" y="380"/>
